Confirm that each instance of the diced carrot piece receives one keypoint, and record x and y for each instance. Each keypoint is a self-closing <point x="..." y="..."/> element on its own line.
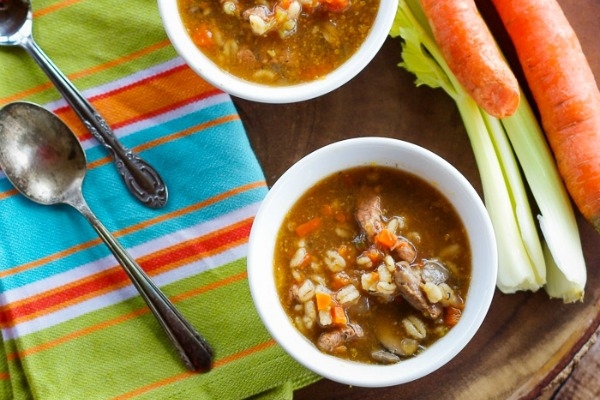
<point x="305" y="261"/>
<point x="326" y="210"/>
<point x="308" y="227"/>
<point x="343" y="250"/>
<point x="374" y="255"/>
<point x="336" y="5"/>
<point x="338" y="316"/>
<point x="295" y="258"/>
<point x="340" y="216"/>
<point x="452" y="315"/>
<point x="203" y="37"/>
<point x="340" y="349"/>
<point x="316" y="71"/>
<point x="324" y="300"/>
<point x="340" y="280"/>
<point x="386" y="238"/>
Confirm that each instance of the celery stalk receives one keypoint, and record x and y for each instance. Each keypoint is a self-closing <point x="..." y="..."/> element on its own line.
<point x="566" y="273"/>
<point x="520" y="205"/>
<point x="519" y="201"/>
<point x="522" y="263"/>
<point x="516" y="269"/>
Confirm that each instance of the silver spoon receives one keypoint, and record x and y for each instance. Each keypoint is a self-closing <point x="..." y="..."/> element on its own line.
<point x="140" y="178"/>
<point x="44" y="160"/>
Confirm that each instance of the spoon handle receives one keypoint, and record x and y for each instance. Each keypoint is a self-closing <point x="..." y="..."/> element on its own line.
<point x="193" y="349"/>
<point x="139" y="177"/>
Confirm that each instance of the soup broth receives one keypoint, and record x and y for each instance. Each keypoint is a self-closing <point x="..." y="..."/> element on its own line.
<point x="373" y="264"/>
<point x="278" y="42"/>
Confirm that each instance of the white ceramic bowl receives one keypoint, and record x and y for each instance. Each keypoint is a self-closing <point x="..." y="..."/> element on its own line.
<point x="359" y="152"/>
<point x="275" y="94"/>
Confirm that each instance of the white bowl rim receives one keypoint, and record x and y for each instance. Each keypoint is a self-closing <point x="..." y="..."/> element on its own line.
<point x="264" y="295"/>
<point x="244" y="89"/>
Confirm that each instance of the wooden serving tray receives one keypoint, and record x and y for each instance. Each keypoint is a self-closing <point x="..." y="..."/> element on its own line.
<point x="527" y="340"/>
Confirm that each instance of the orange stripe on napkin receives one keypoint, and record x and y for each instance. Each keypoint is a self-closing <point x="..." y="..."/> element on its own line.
<point x="77" y="334"/>
<point x="54" y="7"/>
<point x="8" y="193"/>
<point x="185" y="375"/>
<point x="86" y="72"/>
<point x="121" y="60"/>
<point x="51" y="257"/>
<point x="89" y="71"/>
<point x="152" y="96"/>
<point x="159" y="93"/>
<point x="115" y="278"/>
<point x="148" y="145"/>
<point x="169" y="138"/>
<point x="134" y="228"/>
<point x="187" y="252"/>
<point x="123" y="318"/>
<point x="25" y="93"/>
<point x="189" y="131"/>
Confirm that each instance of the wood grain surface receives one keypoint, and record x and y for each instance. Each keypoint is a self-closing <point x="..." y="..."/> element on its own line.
<point x="529" y="346"/>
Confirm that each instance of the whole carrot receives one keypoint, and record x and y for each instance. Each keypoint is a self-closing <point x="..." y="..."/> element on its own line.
<point x="565" y="91"/>
<point x="472" y="54"/>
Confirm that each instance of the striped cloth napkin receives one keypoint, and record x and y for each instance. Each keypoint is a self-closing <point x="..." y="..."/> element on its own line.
<point x="73" y="327"/>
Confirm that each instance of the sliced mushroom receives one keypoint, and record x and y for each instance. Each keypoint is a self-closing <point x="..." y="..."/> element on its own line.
<point x="393" y="338"/>
<point x="385" y="357"/>
<point x="434" y="271"/>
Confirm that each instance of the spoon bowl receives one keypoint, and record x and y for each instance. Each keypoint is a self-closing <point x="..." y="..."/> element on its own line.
<point x="13" y="15"/>
<point x="44" y="160"/>
<point x="40" y="155"/>
<point x="16" y="24"/>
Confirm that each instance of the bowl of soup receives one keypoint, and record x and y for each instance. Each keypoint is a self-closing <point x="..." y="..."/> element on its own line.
<point x="372" y="262"/>
<point x="277" y="51"/>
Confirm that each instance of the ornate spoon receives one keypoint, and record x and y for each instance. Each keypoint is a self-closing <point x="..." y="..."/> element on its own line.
<point x="140" y="178"/>
<point x="44" y="160"/>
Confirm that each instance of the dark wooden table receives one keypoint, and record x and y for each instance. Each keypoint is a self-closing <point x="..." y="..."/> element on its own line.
<point x="529" y="346"/>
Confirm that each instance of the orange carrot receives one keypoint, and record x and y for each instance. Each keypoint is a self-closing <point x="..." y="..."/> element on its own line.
<point x="324" y="300"/>
<point x="340" y="280"/>
<point x="326" y="210"/>
<point x="374" y="255"/>
<point x="308" y="227"/>
<point x="203" y="37"/>
<point x="565" y="91"/>
<point x="343" y="250"/>
<point x="305" y="261"/>
<point x="338" y="316"/>
<point x="452" y="315"/>
<point x="340" y="216"/>
<point x="336" y="5"/>
<point x="472" y="54"/>
<point x="386" y="238"/>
